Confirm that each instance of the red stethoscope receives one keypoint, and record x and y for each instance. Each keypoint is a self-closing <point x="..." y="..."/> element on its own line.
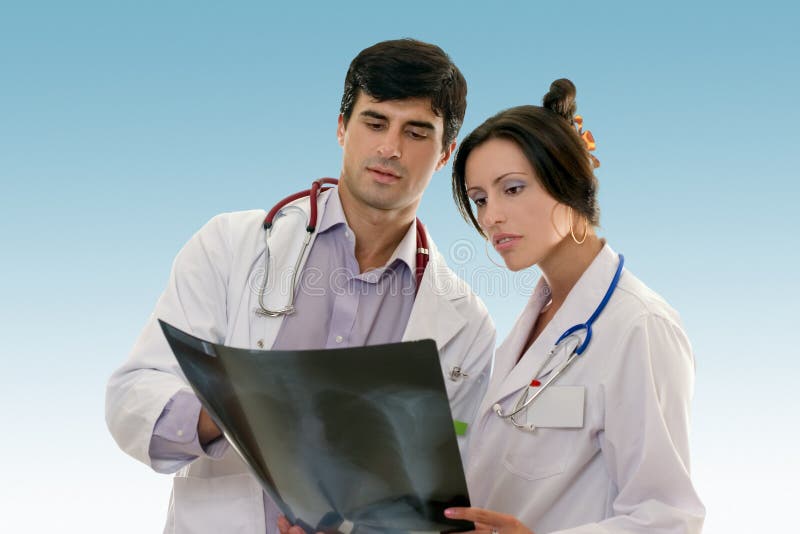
<point x="311" y="226"/>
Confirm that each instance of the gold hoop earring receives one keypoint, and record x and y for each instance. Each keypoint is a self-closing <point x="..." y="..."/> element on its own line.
<point x="486" y="246"/>
<point x="585" y="229"/>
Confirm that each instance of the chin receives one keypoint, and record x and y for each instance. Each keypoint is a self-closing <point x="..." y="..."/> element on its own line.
<point x="512" y="265"/>
<point x="516" y="264"/>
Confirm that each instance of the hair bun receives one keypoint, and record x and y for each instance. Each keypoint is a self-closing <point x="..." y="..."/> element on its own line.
<point x="561" y="98"/>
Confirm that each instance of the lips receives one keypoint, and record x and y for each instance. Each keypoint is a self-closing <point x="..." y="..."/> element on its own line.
<point x="504" y="241"/>
<point x="383" y="174"/>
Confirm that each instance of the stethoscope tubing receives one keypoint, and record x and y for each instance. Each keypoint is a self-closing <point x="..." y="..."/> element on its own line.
<point x="314" y="191"/>
<point x="289" y="308"/>
<point x="588" y="324"/>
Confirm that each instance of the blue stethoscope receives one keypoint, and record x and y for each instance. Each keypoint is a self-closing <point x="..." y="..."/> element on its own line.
<point x="571" y="341"/>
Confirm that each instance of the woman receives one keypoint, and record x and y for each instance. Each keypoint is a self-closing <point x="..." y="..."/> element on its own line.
<point x="604" y="446"/>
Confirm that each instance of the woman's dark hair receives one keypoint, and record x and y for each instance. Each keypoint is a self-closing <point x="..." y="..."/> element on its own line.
<point x="407" y="68"/>
<point x="551" y="144"/>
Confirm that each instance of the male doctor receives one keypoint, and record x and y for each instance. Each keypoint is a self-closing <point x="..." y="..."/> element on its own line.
<point x="403" y="104"/>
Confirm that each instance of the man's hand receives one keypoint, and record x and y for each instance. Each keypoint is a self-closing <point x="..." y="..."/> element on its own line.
<point x="207" y="429"/>
<point x="287" y="528"/>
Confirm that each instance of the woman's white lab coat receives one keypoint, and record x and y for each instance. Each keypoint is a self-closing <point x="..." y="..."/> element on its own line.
<point x="626" y="468"/>
<point x="212" y="293"/>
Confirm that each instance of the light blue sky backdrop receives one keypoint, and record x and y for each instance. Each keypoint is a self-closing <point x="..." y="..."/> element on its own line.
<point x="124" y="126"/>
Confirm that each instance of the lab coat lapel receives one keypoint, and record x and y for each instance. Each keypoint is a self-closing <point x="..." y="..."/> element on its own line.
<point x="434" y="315"/>
<point x="507" y="373"/>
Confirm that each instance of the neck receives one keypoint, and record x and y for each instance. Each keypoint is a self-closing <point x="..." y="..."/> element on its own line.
<point x="378" y="232"/>
<point x="566" y="264"/>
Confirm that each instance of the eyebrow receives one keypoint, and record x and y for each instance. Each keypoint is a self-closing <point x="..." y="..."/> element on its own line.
<point x="380" y="116"/>
<point x="500" y="178"/>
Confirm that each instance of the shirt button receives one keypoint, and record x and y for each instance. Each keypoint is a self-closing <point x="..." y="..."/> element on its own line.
<point x="180" y="433"/>
<point x="260" y="343"/>
<point x="339" y="339"/>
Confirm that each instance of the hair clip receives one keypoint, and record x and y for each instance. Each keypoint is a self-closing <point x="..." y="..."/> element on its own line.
<point x="588" y="140"/>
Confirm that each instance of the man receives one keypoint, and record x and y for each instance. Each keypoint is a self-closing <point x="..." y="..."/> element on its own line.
<point x="403" y="104"/>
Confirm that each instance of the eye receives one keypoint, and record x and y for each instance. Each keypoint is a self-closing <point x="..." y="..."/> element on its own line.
<point x="374" y="125"/>
<point x="514" y="189"/>
<point x="416" y="134"/>
<point x="479" y="200"/>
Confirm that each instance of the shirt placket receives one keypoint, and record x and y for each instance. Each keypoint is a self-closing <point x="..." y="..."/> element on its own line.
<point x="345" y="305"/>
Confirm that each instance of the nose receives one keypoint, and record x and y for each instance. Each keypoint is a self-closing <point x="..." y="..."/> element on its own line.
<point x="492" y="214"/>
<point x="389" y="147"/>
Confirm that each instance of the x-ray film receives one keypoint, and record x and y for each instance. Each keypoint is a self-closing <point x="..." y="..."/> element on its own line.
<point x="341" y="439"/>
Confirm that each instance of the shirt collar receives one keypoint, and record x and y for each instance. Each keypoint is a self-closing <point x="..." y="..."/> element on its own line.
<point x="333" y="216"/>
<point x="406" y="251"/>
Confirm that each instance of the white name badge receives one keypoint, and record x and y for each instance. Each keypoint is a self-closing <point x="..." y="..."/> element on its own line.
<point x="558" y="407"/>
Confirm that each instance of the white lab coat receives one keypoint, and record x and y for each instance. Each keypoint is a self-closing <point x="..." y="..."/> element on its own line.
<point x="627" y="468"/>
<point x="212" y="293"/>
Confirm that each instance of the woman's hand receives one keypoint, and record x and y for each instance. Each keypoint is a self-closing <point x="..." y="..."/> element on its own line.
<point x="487" y="521"/>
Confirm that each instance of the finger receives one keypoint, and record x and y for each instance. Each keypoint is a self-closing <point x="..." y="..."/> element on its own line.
<point x="455" y="513"/>
<point x="296" y="530"/>
<point x="284" y="525"/>
<point x="494" y="520"/>
<point x="483" y="529"/>
<point x="476" y="515"/>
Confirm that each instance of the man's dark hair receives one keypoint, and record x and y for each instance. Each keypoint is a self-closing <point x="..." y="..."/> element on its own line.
<point x="407" y="68"/>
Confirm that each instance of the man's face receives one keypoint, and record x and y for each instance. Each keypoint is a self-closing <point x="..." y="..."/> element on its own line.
<point x="391" y="150"/>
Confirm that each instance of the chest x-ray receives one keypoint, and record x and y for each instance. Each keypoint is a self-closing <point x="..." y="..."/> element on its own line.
<point x="339" y="438"/>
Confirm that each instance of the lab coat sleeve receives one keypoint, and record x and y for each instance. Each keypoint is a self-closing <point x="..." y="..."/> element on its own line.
<point x="195" y="301"/>
<point x="645" y="443"/>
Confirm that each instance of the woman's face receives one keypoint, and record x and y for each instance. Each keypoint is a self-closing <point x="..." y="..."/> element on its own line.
<point x="520" y="219"/>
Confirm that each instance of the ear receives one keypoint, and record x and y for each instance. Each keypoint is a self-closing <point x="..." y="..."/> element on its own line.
<point x="446" y="156"/>
<point x="340" y="130"/>
<point x="559" y="219"/>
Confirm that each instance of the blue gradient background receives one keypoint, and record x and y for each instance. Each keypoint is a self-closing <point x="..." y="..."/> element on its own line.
<point x="125" y="126"/>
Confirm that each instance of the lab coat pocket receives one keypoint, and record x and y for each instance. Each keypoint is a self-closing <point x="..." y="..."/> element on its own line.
<point x="540" y="454"/>
<point x="558" y="417"/>
<point x="230" y="504"/>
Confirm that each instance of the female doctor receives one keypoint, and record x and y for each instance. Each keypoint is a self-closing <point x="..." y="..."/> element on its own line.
<point x="583" y="429"/>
